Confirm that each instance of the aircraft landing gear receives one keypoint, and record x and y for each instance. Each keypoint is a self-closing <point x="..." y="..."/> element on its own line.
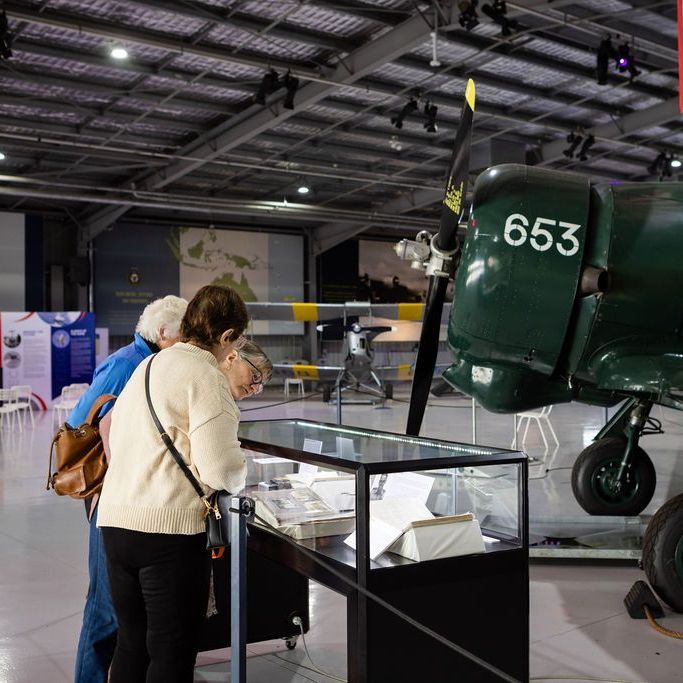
<point x="596" y="483"/>
<point x="614" y="475"/>
<point x="663" y="552"/>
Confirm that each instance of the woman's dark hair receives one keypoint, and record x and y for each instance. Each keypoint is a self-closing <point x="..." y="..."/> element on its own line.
<point x="212" y="311"/>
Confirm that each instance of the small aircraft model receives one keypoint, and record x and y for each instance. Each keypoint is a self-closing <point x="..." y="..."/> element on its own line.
<point x="565" y="291"/>
<point x="357" y="372"/>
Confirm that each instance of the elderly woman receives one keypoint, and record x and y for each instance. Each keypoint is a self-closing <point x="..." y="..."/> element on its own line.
<point x="247" y="371"/>
<point x="151" y="518"/>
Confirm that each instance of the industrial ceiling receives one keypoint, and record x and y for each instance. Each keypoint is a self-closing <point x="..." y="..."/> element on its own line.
<point x="175" y="127"/>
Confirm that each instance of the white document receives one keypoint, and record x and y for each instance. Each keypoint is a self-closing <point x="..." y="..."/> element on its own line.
<point x="408" y="485"/>
<point x="312" y="446"/>
<point x="345" y="447"/>
<point x="339" y="493"/>
<point x="388" y="519"/>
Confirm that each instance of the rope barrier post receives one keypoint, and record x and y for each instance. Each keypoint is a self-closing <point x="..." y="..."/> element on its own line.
<point x="474" y="421"/>
<point x="241" y="509"/>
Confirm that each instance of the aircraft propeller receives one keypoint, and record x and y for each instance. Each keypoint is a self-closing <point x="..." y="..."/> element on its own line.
<point x="443" y="246"/>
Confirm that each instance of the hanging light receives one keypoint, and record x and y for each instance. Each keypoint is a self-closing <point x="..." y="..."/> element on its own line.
<point x="574" y="139"/>
<point x="606" y="52"/>
<point x="675" y="162"/>
<point x="303" y="189"/>
<point x="118" y="52"/>
<point x="468" y="18"/>
<point x="587" y="144"/>
<point x="5" y="37"/>
<point x="292" y="85"/>
<point x="408" y="108"/>
<point x="498" y="13"/>
<point x="2" y="156"/>
<point x="269" y="84"/>
<point x="430" y="112"/>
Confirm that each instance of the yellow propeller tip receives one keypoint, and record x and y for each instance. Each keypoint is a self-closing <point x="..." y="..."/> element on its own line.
<point x="470" y="93"/>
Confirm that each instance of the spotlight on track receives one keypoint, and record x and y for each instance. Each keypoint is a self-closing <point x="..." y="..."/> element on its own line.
<point x="675" y="162"/>
<point x="118" y="52"/>
<point x="408" y="108"/>
<point x="303" y="189"/>
<point x="269" y="84"/>
<point x="656" y="166"/>
<point x="468" y="18"/>
<point x="2" y="156"/>
<point x="574" y="139"/>
<point x="430" y="112"/>
<point x="587" y="144"/>
<point x="395" y="143"/>
<point x="292" y="85"/>
<point x="626" y="62"/>
<point x="606" y="52"/>
<point x="498" y="13"/>
<point x="5" y="37"/>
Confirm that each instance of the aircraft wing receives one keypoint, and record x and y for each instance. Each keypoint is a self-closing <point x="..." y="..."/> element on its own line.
<point x="310" y="312"/>
<point x="404" y="371"/>
<point x="303" y="371"/>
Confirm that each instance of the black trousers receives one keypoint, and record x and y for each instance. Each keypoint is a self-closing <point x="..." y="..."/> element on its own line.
<point x="160" y="589"/>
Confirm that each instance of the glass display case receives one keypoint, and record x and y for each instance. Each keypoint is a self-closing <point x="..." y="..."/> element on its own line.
<point x="438" y="529"/>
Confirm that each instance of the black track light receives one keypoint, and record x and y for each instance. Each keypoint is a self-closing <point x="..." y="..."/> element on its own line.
<point x="574" y="140"/>
<point x="587" y="144"/>
<point x="468" y="18"/>
<point x="408" y="108"/>
<point x="497" y="12"/>
<point x="292" y="85"/>
<point x="606" y="52"/>
<point x="5" y="37"/>
<point x="656" y="166"/>
<point x="626" y="62"/>
<point x="269" y="84"/>
<point x="430" y="112"/>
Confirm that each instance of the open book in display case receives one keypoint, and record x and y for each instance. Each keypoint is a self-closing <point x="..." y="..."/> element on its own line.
<point x="437" y="529"/>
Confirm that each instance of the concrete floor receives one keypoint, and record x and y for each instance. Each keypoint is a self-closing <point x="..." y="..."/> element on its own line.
<point x="579" y="628"/>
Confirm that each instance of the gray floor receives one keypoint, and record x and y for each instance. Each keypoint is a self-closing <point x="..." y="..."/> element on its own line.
<point x="579" y="628"/>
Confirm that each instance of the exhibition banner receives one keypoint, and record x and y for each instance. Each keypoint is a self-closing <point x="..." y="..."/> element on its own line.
<point x="47" y="351"/>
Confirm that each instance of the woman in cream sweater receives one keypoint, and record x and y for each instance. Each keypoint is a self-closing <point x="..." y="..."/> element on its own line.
<point x="152" y="519"/>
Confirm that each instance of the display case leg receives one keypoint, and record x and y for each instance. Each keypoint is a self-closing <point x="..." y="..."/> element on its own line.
<point x="242" y="508"/>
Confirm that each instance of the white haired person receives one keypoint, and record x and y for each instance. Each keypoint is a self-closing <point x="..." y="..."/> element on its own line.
<point x="248" y="371"/>
<point x="158" y="328"/>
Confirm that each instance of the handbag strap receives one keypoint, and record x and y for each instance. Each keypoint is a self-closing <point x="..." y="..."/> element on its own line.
<point x="168" y="442"/>
<point x="94" y="413"/>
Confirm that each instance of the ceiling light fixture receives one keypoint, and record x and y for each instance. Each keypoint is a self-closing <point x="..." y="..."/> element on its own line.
<point x="587" y="144"/>
<point x="468" y="18"/>
<point x="5" y="37"/>
<point x="303" y="189"/>
<point x="292" y="85"/>
<point x="675" y="162"/>
<point x="430" y="112"/>
<point x="395" y="143"/>
<point x="574" y="139"/>
<point x="408" y="108"/>
<point x="606" y="52"/>
<point x="2" y="156"/>
<point x="269" y="84"/>
<point x="497" y="12"/>
<point x="626" y="62"/>
<point x="118" y="52"/>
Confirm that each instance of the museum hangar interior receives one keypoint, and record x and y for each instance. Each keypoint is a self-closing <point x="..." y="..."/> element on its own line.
<point x="450" y="222"/>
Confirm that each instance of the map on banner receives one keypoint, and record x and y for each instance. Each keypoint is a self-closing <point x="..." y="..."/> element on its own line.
<point x="47" y="351"/>
<point x="259" y="266"/>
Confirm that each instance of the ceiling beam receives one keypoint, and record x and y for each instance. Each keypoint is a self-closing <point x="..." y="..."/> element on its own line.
<point x="257" y="119"/>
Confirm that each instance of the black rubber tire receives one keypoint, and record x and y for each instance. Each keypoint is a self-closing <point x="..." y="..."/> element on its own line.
<point x="388" y="390"/>
<point x="663" y="535"/>
<point x="603" y="453"/>
<point x="327" y="393"/>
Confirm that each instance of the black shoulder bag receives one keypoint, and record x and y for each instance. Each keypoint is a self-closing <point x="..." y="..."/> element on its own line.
<point x="217" y="536"/>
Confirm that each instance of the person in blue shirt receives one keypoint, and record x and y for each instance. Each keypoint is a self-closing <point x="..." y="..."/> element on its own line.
<point x="157" y="328"/>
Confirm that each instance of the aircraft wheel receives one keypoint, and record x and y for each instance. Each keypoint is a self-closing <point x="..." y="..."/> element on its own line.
<point x="595" y="485"/>
<point x="327" y="393"/>
<point x="388" y="390"/>
<point x="663" y="552"/>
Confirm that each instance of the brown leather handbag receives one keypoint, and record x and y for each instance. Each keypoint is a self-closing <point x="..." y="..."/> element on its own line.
<point x="81" y="461"/>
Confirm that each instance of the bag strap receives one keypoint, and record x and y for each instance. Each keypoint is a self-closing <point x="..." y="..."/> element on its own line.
<point x="93" y="413"/>
<point x="168" y="442"/>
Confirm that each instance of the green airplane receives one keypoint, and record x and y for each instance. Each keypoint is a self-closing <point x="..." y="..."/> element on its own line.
<point x="566" y="290"/>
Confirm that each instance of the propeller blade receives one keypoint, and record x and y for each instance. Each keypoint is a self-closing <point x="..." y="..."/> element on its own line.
<point x="446" y="239"/>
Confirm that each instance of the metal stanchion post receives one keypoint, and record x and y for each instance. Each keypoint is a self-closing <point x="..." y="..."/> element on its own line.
<point x="339" y="408"/>
<point x="514" y="434"/>
<point x="474" y="421"/>
<point x="240" y="510"/>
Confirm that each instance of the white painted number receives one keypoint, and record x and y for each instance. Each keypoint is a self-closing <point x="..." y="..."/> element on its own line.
<point x="540" y="238"/>
<point x="515" y="233"/>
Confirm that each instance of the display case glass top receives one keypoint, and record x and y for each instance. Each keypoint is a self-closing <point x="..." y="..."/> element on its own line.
<point x="354" y="446"/>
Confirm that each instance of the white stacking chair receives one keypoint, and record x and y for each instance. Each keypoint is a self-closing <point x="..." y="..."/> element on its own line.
<point x="67" y="401"/>
<point x="541" y="418"/>
<point x="24" y="400"/>
<point x="9" y="407"/>
<point x="296" y="382"/>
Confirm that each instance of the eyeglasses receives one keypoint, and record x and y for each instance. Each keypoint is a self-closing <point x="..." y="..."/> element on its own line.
<point x="256" y="375"/>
